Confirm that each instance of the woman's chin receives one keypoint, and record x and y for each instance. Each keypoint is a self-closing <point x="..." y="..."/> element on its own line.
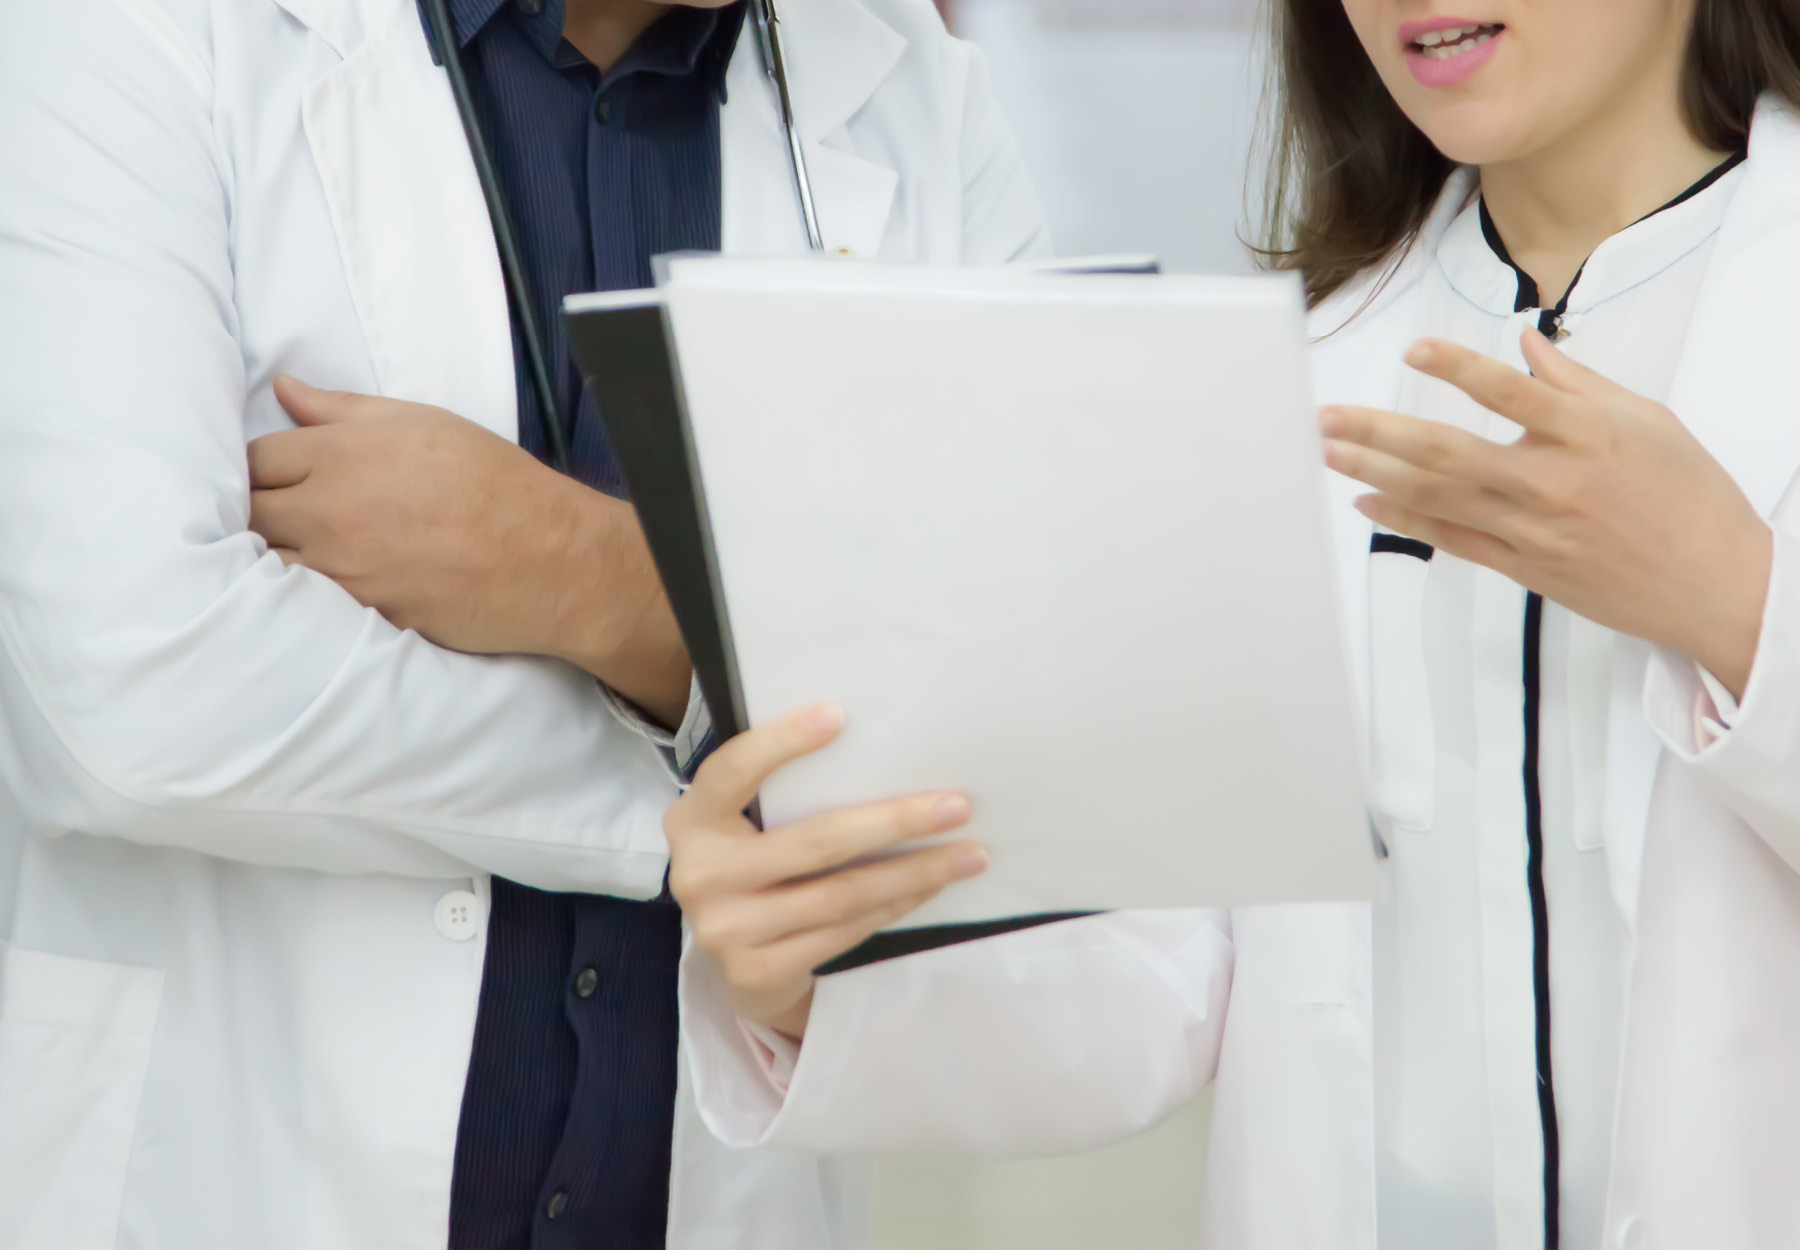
<point x="1468" y="138"/>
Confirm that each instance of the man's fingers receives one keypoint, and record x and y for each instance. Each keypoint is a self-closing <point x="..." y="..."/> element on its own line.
<point x="308" y="405"/>
<point x="731" y="776"/>
<point x="284" y="458"/>
<point x="274" y="516"/>
<point x="1519" y="397"/>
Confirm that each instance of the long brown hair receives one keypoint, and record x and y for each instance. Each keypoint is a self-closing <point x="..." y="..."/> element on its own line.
<point x="1351" y="180"/>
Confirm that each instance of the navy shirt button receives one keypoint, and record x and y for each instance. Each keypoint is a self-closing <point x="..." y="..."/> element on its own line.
<point x="530" y="8"/>
<point x="603" y="111"/>
<point x="559" y="1202"/>
<point x="586" y="982"/>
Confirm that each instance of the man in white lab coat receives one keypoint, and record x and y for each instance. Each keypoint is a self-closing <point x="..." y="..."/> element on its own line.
<point x="249" y="827"/>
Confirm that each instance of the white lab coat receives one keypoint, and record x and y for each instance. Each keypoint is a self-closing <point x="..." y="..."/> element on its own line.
<point x="246" y="826"/>
<point x="1068" y="1037"/>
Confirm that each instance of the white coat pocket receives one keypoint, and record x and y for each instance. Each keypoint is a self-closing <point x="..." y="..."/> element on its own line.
<point x="75" y="1041"/>
<point x="1402" y="758"/>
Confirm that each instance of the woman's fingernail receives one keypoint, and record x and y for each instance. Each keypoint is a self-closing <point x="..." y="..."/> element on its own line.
<point x="951" y="810"/>
<point x="1419" y="354"/>
<point x="970" y="861"/>
<point x="1330" y="420"/>
<point x="826" y="718"/>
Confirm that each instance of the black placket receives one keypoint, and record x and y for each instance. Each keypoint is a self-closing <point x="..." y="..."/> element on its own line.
<point x="1549" y="324"/>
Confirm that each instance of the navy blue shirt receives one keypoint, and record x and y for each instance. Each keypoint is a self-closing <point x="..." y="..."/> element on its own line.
<point x="564" y="1141"/>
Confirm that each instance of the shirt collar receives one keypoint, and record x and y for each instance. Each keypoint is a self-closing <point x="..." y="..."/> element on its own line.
<point x="471" y="16"/>
<point x="1476" y="264"/>
<point x="681" y="42"/>
<point x="685" y="40"/>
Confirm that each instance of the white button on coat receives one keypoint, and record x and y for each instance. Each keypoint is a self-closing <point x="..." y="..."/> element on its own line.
<point x="459" y="915"/>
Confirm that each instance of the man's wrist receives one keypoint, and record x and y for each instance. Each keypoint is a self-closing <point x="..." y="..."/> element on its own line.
<point x="607" y="611"/>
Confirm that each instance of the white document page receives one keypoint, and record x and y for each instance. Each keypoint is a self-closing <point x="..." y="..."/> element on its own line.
<point x="1057" y="542"/>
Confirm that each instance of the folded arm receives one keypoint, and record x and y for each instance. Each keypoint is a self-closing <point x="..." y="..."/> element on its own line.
<point x="163" y="678"/>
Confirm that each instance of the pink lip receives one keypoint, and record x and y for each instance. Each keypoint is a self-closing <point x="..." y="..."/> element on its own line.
<point x="1445" y="71"/>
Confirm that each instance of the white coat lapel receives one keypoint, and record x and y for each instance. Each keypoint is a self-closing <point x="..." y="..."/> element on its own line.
<point x="1360" y="334"/>
<point x="1738" y="386"/>
<point x="1738" y="390"/>
<point x="412" y="228"/>
<point x="838" y="53"/>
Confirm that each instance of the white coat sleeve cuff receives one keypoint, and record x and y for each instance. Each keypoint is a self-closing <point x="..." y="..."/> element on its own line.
<point x="740" y="1083"/>
<point x="1715" y="709"/>
<point x="678" y="747"/>
<point x="955" y="1048"/>
<point x="1749" y="749"/>
<point x="777" y="1053"/>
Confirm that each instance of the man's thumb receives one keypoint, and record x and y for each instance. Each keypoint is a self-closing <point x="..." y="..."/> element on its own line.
<point x="308" y="405"/>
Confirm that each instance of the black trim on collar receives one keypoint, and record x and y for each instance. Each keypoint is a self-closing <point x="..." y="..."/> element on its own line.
<point x="1718" y="171"/>
<point x="1528" y="296"/>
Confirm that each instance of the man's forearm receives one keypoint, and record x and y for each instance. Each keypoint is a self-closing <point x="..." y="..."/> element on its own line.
<point x="607" y="610"/>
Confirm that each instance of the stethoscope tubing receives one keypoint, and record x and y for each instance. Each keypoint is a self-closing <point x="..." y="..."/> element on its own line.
<point x="512" y="265"/>
<point x="446" y="52"/>
<point x="768" y="30"/>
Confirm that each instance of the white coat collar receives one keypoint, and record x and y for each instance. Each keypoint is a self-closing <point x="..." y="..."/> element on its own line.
<point x="838" y="55"/>
<point x="413" y="230"/>
<point x="1627" y="260"/>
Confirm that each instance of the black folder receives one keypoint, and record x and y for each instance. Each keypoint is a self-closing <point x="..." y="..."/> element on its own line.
<point x="628" y="360"/>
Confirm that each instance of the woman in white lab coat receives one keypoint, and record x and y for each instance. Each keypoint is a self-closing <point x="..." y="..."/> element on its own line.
<point x="1572" y="1019"/>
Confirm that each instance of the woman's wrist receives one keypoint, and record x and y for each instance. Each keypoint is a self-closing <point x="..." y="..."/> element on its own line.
<point x="1728" y="620"/>
<point x="791" y="1023"/>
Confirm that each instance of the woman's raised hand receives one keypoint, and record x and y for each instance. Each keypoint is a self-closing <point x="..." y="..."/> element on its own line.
<point x="1607" y="504"/>
<point x="769" y="907"/>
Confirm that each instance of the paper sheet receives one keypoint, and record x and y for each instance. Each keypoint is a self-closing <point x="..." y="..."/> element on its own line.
<point x="1057" y="542"/>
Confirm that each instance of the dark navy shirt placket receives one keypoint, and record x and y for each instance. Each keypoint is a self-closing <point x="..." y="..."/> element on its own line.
<point x="567" y="1118"/>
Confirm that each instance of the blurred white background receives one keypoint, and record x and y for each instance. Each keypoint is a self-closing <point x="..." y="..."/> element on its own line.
<point x="1136" y="118"/>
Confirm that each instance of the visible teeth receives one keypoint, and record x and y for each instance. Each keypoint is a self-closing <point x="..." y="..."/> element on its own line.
<point x="1442" y="44"/>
